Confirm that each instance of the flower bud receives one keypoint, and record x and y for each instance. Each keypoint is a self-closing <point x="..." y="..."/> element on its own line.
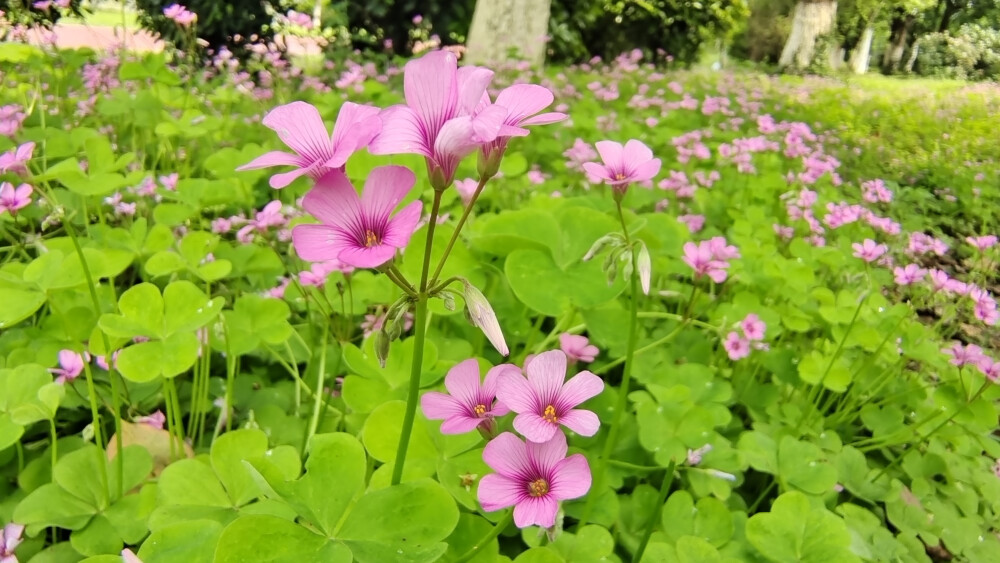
<point x="488" y="163"/>
<point x="644" y="263"/>
<point x="599" y="244"/>
<point x="382" y="347"/>
<point x="481" y="315"/>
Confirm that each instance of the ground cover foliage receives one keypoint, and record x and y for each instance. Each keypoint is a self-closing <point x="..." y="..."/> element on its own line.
<point x="781" y="343"/>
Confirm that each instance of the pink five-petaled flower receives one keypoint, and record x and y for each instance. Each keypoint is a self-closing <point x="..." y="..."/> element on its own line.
<point x="523" y="103"/>
<point x="180" y="15"/>
<point x="963" y="355"/>
<point x="869" y="250"/>
<point x="983" y="242"/>
<point x="736" y="346"/>
<point x="753" y="327"/>
<point x="155" y="420"/>
<point x="623" y="165"/>
<point x="909" y="274"/>
<point x="300" y="126"/>
<point x="70" y="366"/>
<point x="532" y="478"/>
<point x="577" y="348"/>
<point x="439" y="120"/>
<point x="16" y="160"/>
<point x="701" y="258"/>
<point x="10" y="538"/>
<point x="358" y="231"/>
<point x="12" y="199"/>
<point x="543" y="401"/>
<point x="468" y="404"/>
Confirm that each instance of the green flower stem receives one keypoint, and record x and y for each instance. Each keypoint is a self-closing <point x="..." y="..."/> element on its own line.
<point x="668" y="480"/>
<point x="318" y="397"/>
<point x="419" y="338"/>
<point x="53" y="448"/>
<point x="672" y="316"/>
<point x="396" y="278"/>
<point x="490" y="536"/>
<point x="230" y="380"/>
<point x="655" y="344"/>
<point x="95" y="415"/>
<point x="622" y="403"/>
<point x="458" y="227"/>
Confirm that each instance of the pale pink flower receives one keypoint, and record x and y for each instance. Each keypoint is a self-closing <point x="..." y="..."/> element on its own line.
<point x="736" y="346"/>
<point x="702" y="260"/>
<point x="70" y="366"/>
<point x="300" y="126"/>
<point x="358" y="231"/>
<point x="623" y="165"/>
<point x="129" y="557"/>
<point x="466" y="189"/>
<point x="577" y="348"/>
<point x="10" y="537"/>
<point x="544" y="400"/>
<point x="694" y="223"/>
<point x="694" y="456"/>
<point x="753" y="327"/>
<point x="16" y="160"/>
<point x="964" y="355"/>
<point x="155" y="420"/>
<point x="469" y="403"/>
<point x="869" y="250"/>
<point x="983" y="242"/>
<point x="909" y="274"/>
<point x="12" y="199"/>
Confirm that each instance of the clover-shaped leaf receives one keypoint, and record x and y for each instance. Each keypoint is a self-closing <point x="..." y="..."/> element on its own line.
<point x="795" y="531"/>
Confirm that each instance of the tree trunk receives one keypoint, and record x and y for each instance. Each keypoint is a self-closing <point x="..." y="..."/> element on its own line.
<point x="862" y="52"/>
<point x="811" y="19"/>
<point x="500" y="27"/>
<point x="900" y="33"/>
<point x="951" y="7"/>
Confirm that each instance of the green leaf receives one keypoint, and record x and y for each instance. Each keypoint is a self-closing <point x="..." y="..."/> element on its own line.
<point x="228" y="453"/>
<point x="413" y="515"/>
<point x="381" y="438"/>
<point x="794" y="531"/>
<point x="187" y="308"/>
<point x="804" y="466"/>
<point x="188" y="542"/>
<point x="79" y="472"/>
<point x="141" y="308"/>
<point x="539" y="555"/>
<point x="191" y="482"/>
<point x="268" y="539"/>
<point x="168" y="358"/>
<point x="19" y="304"/>
<point x="51" y="505"/>
<point x="691" y="549"/>
<point x="540" y="284"/>
<point x="96" y="538"/>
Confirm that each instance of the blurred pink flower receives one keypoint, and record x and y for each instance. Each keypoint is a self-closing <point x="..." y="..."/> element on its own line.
<point x="70" y="366"/>
<point x="16" y="160"/>
<point x="703" y="261"/>
<point x="736" y="346"/>
<point x="869" y="250"/>
<point x="983" y="242"/>
<point x="753" y="327"/>
<point x="577" y="348"/>
<point x="909" y="274"/>
<point x="12" y="199"/>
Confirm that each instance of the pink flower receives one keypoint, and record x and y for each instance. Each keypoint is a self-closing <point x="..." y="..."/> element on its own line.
<point x="702" y="260"/>
<point x="753" y="327"/>
<point x="869" y="250"/>
<point x="70" y="366"/>
<point x="439" y="120"/>
<point x="694" y="456"/>
<point x="468" y="404"/>
<point x="129" y="557"/>
<point x="982" y="243"/>
<point x="102" y="361"/>
<point x="169" y="182"/>
<point x="623" y="165"/>
<point x="722" y="250"/>
<point x="10" y="537"/>
<point x="909" y="274"/>
<point x="577" y="348"/>
<point x="523" y="103"/>
<point x="694" y="223"/>
<point x="300" y="126"/>
<point x="12" y="199"/>
<point x="963" y="355"/>
<point x="989" y="368"/>
<point x="180" y="15"/>
<point x="16" y="160"/>
<point x="155" y="420"/>
<point x="543" y="401"/>
<point x="532" y="478"/>
<point x="466" y="188"/>
<point x="358" y="231"/>
<point x="736" y="346"/>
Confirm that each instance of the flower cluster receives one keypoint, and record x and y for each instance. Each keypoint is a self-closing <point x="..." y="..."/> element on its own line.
<point x="738" y="346"/>
<point x="180" y="15"/>
<point x="710" y="258"/>
<point x="532" y="476"/>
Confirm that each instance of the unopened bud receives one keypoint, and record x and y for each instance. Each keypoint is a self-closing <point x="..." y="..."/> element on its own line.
<point x="382" y="347"/>
<point x="599" y="245"/>
<point x="488" y="163"/>
<point x="449" y="300"/>
<point x="481" y="315"/>
<point x="488" y="428"/>
<point x="439" y="180"/>
<point x="645" y="265"/>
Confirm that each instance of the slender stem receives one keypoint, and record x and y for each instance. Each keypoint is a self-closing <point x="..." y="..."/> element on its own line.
<point x="230" y="380"/>
<point x="622" y="403"/>
<point x="655" y="344"/>
<point x="490" y="536"/>
<point x="95" y="414"/>
<point x="419" y="337"/>
<point x="458" y="228"/>
<point x="668" y="480"/>
<point x="318" y="397"/>
<point x="400" y="282"/>
<point x="54" y="448"/>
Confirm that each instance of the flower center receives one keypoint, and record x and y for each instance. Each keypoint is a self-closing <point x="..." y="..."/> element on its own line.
<point x="550" y="414"/>
<point x="538" y="487"/>
<point x="371" y="239"/>
<point x="619" y="176"/>
<point x="480" y="410"/>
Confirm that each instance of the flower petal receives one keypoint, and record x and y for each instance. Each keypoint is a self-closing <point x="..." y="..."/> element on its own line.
<point x="547" y="454"/>
<point x="571" y="478"/>
<point x="584" y="423"/>
<point x="279" y="181"/>
<point x="385" y="187"/>
<point x="507" y="455"/>
<point x="487" y="124"/>
<point x="367" y="257"/>
<point x="646" y="170"/>
<point x="401" y="227"/>
<point x="535" y="428"/>
<point x="440" y="406"/>
<point x="536" y="511"/>
<point x="401" y="133"/>
<point x="463" y="384"/>
<point x="333" y="200"/>
<point x="456" y="139"/>
<point x="546" y="374"/>
<point x="634" y="153"/>
<point x="273" y="158"/>
<point x="597" y="170"/>
<point x="472" y="82"/>
<point x="460" y="424"/>
<point x="514" y="391"/>
<point x="578" y="389"/>
<point x="523" y="100"/>
<point x="492" y="382"/>
<point x="545" y="118"/>
<point x="611" y="153"/>
<point x="431" y="89"/>
<point x="318" y="243"/>
<point x="356" y="125"/>
<point x="497" y="491"/>
<point x="300" y="126"/>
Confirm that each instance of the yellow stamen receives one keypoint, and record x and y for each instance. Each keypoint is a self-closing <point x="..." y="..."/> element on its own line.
<point x="550" y="414"/>
<point x="480" y="410"/>
<point x="619" y="176"/>
<point x="371" y="239"/>
<point x="538" y="487"/>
